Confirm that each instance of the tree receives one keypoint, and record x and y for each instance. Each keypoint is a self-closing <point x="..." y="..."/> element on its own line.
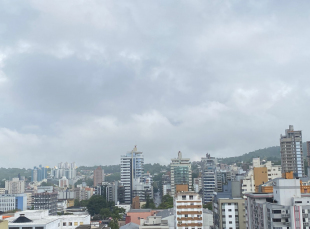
<point x="149" y="203"/>
<point x="167" y="202"/>
<point x="105" y="213"/>
<point x="77" y="203"/>
<point x="116" y="215"/>
<point x="95" y="204"/>
<point x="208" y="205"/>
<point x="46" y="184"/>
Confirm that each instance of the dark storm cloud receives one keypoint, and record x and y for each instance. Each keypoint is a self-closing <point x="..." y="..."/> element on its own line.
<point x="84" y="80"/>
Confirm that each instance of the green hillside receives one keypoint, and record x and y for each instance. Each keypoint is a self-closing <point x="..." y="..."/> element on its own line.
<point x="270" y="154"/>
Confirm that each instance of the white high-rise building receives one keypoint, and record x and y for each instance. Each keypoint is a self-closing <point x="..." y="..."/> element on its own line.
<point x="131" y="169"/>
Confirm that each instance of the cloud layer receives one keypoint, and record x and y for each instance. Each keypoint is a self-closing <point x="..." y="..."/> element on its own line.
<point x="86" y="81"/>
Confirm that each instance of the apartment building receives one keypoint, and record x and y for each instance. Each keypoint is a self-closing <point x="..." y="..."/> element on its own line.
<point x="15" y="186"/>
<point x="228" y="207"/>
<point x="209" y="178"/>
<point x="188" y="210"/>
<point x="131" y="168"/>
<point x="9" y="202"/>
<point x="98" y="176"/>
<point x="291" y="152"/>
<point x="286" y="207"/>
<point x="181" y="173"/>
<point x="45" y="200"/>
<point x="258" y="174"/>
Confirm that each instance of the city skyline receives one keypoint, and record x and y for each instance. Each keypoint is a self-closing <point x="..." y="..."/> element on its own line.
<point x="199" y="77"/>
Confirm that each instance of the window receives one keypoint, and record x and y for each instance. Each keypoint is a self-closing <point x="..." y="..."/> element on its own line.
<point x="298" y="202"/>
<point x="70" y="224"/>
<point x="39" y="227"/>
<point x="75" y="223"/>
<point x="230" y="216"/>
<point x="191" y="197"/>
<point x="186" y="215"/>
<point x="64" y="224"/>
<point x="81" y="223"/>
<point x="230" y="222"/>
<point x="229" y="210"/>
<point x="276" y="211"/>
<point x="183" y="197"/>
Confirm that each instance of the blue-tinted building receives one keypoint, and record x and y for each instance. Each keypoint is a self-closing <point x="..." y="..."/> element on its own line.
<point x="9" y="202"/>
<point x="38" y="173"/>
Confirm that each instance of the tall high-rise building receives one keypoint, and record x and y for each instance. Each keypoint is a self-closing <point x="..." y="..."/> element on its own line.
<point x="131" y="168"/>
<point x="38" y="173"/>
<point x="291" y="152"/>
<point x="64" y="169"/>
<point x="181" y="173"/>
<point x="308" y="157"/>
<point x="98" y="176"/>
<point x="209" y="178"/>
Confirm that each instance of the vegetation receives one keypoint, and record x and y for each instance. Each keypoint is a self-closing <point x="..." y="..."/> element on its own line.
<point x="167" y="202"/>
<point x="46" y="184"/>
<point x="268" y="154"/>
<point x="106" y="168"/>
<point x="9" y="173"/>
<point x="154" y="168"/>
<point x="113" y="177"/>
<point x="88" y="181"/>
<point x="208" y="206"/>
<point x="149" y="204"/>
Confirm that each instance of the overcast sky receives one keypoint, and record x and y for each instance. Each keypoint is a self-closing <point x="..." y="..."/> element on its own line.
<point x="86" y="81"/>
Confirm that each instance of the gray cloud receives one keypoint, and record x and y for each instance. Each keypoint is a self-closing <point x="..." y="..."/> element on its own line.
<point x="86" y="81"/>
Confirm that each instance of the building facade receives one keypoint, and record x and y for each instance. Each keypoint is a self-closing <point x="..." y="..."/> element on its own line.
<point x="131" y="168"/>
<point x="98" y="176"/>
<point x="9" y="202"/>
<point x="47" y="201"/>
<point x="188" y="210"/>
<point x="209" y="178"/>
<point x="228" y="207"/>
<point x="15" y="186"/>
<point x="286" y="207"/>
<point x="181" y="173"/>
<point x="291" y="152"/>
<point x="38" y="174"/>
<point x="259" y="174"/>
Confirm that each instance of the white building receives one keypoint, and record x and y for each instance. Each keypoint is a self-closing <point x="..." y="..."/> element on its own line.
<point x="64" y="169"/>
<point x="131" y="168"/>
<point x="15" y="186"/>
<point x="40" y="219"/>
<point x="188" y="210"/>
<point x="273" y="171"/>
<point x="9" y="202"/>
<point x="286" y="207"/>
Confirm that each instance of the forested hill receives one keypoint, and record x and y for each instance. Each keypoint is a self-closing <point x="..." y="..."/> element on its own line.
<point x="269" y="154"/>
